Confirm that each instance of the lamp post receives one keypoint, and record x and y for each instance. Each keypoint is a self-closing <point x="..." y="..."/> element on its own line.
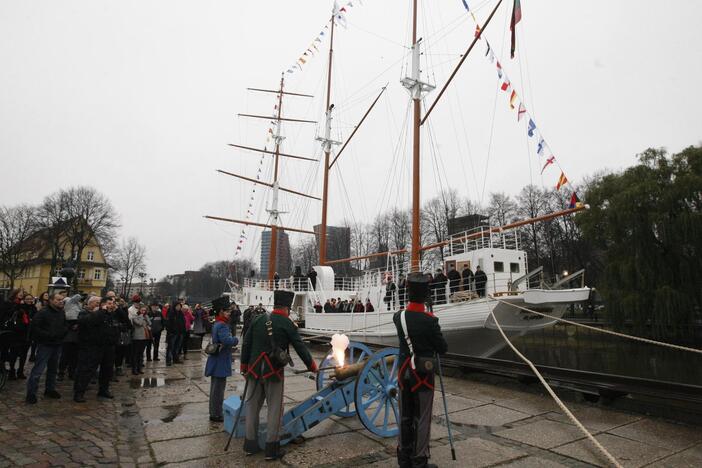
<point x="123" y="279"/>
<point x="142" y="275"/>
<point x="68" y="271"/>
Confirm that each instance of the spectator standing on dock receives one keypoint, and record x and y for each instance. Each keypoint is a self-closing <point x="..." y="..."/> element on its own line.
<point x="175" y="331"/>
<point x="156" y="329"/>
<point x="98" y="334"/>
<point x="266" y="374"/>
<point x="219" y="365"/>
<point x="369" y="306"/>
<point x="69" y="347"/>
<point x="142" y="334"/>
<point x="480" y="281"/>
<point x="48" y="329"/>
<point x="422" y="340"/>
<point x="247" y="319"/>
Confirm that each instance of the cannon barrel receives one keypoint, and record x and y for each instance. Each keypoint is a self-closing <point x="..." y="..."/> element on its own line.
<point x="352" y="370"/>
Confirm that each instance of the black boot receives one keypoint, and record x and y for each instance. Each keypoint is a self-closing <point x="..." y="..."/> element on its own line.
<point x="251" y="447"/>
<point x="422" y="462"/>
<point x="273" y="451"/>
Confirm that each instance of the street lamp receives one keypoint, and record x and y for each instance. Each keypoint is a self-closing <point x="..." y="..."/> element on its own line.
<point x="123" y="279"/>
<point x="142" y="275"/>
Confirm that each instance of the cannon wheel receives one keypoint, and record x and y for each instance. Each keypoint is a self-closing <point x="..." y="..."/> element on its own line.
<point x="356" y="352"/>
<point x="377" y="394"/>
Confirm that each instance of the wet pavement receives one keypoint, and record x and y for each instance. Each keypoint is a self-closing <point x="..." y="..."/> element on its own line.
<point x="161" y="418"/>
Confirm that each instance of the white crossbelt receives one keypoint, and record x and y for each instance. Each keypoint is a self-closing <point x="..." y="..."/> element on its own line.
<point x="407" y="338"/>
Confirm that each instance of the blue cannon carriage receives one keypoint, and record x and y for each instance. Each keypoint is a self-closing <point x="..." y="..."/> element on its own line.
<point x="367" y="387"/>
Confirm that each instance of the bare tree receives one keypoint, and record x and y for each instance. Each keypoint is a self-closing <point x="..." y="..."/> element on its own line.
<point x="16" y="228"/>
<point x="436" y="215"/>
<point x="532" y="202"/>
<point x="91" y="217"/>
<point x="52" y="218"/>
<point x="501" y="209"/>
<point x="129" y="260"/>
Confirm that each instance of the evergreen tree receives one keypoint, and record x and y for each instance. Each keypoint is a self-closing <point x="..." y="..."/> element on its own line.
<point x="647" y="223"/>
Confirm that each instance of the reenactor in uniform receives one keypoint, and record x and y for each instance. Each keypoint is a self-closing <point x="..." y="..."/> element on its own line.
<point x="265" y="373"/>
<point x="416" y="375"/>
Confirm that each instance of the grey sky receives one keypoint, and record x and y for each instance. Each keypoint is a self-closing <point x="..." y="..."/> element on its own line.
<point x="139" y="99"/>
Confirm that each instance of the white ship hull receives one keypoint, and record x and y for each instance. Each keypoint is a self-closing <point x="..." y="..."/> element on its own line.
<point x="467" y="326"/>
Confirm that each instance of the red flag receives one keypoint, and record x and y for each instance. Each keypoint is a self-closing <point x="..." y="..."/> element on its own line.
<point x="549" y="161"/>
<point x="516" y="18"/>
<point x="505" y="86"/>
<point x="562" y="180"/>
<point x="574" y="200"/>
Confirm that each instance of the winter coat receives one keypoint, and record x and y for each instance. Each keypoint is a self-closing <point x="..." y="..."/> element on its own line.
<point x="175" y="322"/>
<point x="72" y="307"/>
<point x="199" y="322"/>
<point x="257" y="345"/>
<point x="99" y="328"/>
<point x="49" y="326"/>
<point x="189" y="318"/>
<point x="156" y="322"/>
<point x="140" y="323"/>
<point x="220" y="365"/>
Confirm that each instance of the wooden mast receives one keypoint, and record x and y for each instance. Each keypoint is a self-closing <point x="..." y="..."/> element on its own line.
<point x="327" y="154"/>
<point x="416" y="241"/>
<point x="273" y="252"/>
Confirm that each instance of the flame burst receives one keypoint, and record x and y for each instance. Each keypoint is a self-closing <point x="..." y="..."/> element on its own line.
<point x="339" y="344"/>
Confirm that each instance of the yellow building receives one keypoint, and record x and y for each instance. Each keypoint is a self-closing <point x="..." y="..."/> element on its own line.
<point x="90" y="277"/>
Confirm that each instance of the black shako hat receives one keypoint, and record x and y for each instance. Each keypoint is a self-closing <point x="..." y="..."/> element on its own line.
<point x="283" y="298"/>
<point x="417" y="287"/>
<point x="220" y="303"/>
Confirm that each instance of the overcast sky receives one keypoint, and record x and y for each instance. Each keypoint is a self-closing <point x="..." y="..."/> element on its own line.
<point x="139" y="99"/>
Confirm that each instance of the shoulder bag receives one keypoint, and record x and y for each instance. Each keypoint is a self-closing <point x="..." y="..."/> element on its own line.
<point x="278" y="356"/>
<point x="212" y="348"/>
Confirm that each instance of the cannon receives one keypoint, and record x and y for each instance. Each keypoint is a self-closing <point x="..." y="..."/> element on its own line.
<point x="365" y="387"/>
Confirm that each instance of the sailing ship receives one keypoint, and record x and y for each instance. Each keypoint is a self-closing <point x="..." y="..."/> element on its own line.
<point x="466" y="318"/>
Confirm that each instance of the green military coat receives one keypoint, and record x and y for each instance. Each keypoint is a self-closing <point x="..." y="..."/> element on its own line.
<point x="255" y="362"/>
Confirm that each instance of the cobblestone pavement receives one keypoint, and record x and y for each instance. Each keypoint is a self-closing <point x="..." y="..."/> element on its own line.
<point x="161" y="418"/>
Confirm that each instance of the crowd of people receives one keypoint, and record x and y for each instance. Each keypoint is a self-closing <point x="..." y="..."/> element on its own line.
<point x="84" y="337"/>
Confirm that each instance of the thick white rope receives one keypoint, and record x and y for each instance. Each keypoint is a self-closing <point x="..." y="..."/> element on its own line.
<point x="558" y="401"/>
<point x="602" y="330"/>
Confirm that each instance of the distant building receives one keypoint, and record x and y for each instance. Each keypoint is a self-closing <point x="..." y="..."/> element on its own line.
<point x="283" y="256"/>
<point x="338" y="246"/>
<point x="90" y="278"/>
<point x="143" y="289"/>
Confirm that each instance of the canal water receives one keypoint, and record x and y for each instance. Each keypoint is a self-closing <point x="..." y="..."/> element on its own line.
<point x="574" y="347"/>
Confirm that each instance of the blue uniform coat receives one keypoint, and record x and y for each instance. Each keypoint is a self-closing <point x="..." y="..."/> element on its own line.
<point x="221" y="364"/>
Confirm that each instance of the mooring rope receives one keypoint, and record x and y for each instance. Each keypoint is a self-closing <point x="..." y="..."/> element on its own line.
<point x="558" y="401"/>
<point x="601" y="330"/>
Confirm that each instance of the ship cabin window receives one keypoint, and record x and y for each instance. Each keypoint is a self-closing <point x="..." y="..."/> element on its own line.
<point x="499" y="267"/>
<point x="514" y="267"/>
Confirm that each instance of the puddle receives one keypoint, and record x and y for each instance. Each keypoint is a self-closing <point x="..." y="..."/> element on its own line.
<point x="152" y="382"/>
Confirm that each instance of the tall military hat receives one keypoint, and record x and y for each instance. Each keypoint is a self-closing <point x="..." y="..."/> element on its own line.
<point x="283" y="298"/>
<point x="417" y="287"/>
<point x="220" y="303"/>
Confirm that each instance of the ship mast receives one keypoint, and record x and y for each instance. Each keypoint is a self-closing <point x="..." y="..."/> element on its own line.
<point x="327" y="145"/>
<point x="416" y="88"/>
<point x="275" y="213"/>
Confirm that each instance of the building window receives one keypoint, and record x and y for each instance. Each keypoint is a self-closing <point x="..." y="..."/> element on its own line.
<point x="514" y="267"/>
<point x="81" y="274"/>
<point x="91" y="257"/>
<point x="98" y="274"/>
<point x="499" y="267"/>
